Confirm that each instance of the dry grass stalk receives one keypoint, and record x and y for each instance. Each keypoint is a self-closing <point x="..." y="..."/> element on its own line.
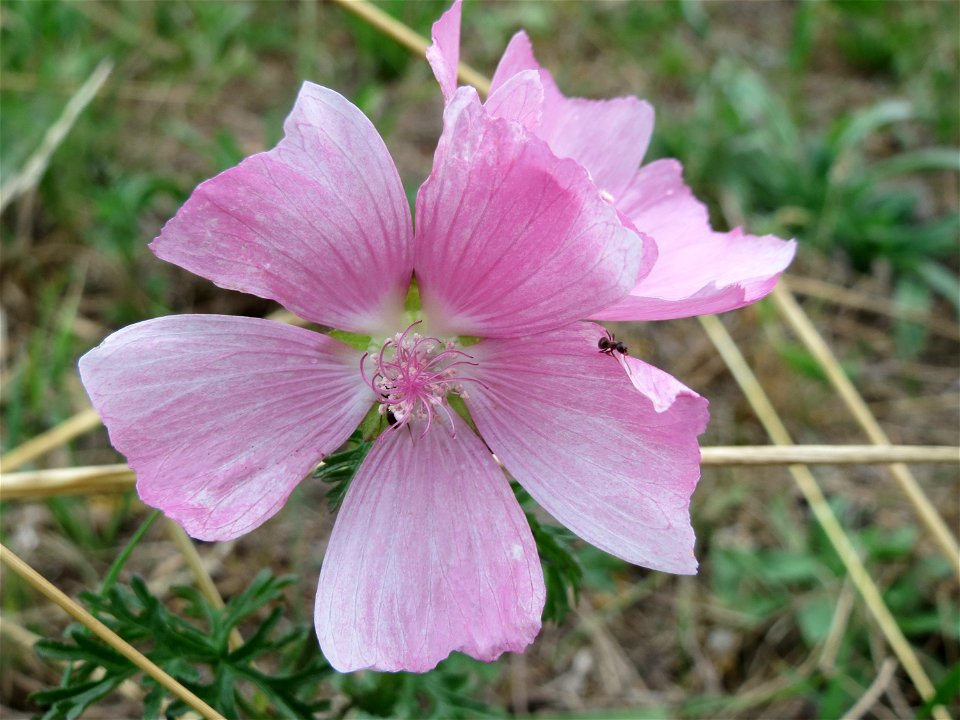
<point x="821" y="509"/>
<point x="201" y="575"/>
<point x="36" y="165"/>
<point x="26" y="640"/>
<point x="413" y="41"/>
<point x="873" y="693"/>
<point x="829" y="454"/>
<point x="78" y="613"/>
<point x="105" y="479"/>
<point x="814" y="342"/>
<point x="881" y="306"/>
<point x="83" y="422"/>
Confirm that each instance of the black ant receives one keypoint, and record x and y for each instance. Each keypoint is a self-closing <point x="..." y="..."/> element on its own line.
<point x="610" y="343"/>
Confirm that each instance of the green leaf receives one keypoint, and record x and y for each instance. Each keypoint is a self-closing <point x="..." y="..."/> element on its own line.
<point x="942" y="280"/>
<point x="69" y="703"/>
<point x="562" y="571"/>
<point x="923" y="160"/>
<point x="911" y="337"/>
<point x="852" y="132"/>
<point x="339" y="468"/>
<point x="196" y="655"/>
<point x="946" y="692"/>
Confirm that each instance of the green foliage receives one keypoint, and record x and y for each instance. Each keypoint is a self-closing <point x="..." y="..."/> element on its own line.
<point x="855" y="169"/>
<point x="745" y="146"/>
<point x="447" y="692"/>
<point x="946" y="692"/>
<point x="562" y="570"/>
<point x="183" y="646"/>
<point x="339" y="468"/>
<point x="797" y="587"/>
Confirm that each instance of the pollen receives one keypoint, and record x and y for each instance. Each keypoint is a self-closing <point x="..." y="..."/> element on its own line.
<point x="413" y="375"/>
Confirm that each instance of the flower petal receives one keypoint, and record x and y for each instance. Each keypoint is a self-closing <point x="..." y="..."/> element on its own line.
<point x="430" y="554"/>
<point x="320" y="223"/>
<point x="519" y="99"/>
<point x="611" y="456"/>
<point x="444" y="54"/>
<point x="698" y="271"/>
<point x="221" y="417"/>
<point x="510" y="239"/>
<point x="517" y="58"/>
<point x="608" y="137"/>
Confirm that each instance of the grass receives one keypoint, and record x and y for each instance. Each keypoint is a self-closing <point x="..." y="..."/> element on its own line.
<point x="832" y="122"/>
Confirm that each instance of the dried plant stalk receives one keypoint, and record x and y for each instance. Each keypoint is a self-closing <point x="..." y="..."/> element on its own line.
<point x="413" y="41"/>
<point x="101" y="479"/>
<point x="829" y="454"/>
<point x="814" y="342"/>
<point x="83" y="422"/>
<point x="78" y="613"/>
<point x="201" y="576"/>
<point x="89" y="480"/>
<point x="36" y="165"/>
<point x="821" y="509"/>
<point x="838" y="295"/>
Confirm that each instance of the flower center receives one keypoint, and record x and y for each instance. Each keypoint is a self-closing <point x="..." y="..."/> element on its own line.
<point x="412" y="376"/>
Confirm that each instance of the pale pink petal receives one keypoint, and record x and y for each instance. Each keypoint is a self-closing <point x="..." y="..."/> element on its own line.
<point x="608" y="137"/>
<point x="611" y="455"/>
<point x="320" y="223"/>
<point x="517" y="58"/>
<point x="430" y="554"/>
<point x="698" y="271"/>
<point x="444" y="54"/>
<point x="519" y="99"/>
<point x="511" y="239"/>
<point x="221" y="417"/>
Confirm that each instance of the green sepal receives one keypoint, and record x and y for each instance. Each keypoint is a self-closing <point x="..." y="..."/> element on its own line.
<point x="373" y="424"/>
<point x="354" y="340"/>
<point x="339" y="468"/>
<point x="457" y="403"/>
<point x="411" y="304"/>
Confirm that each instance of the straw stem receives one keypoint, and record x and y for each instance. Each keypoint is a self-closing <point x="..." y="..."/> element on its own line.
<point x="811" y="491"/>
<point x="814" y="342"/>
<point x="108" y="479"/>
<point x="81" y="615"/>
<point x="413" y="41"/>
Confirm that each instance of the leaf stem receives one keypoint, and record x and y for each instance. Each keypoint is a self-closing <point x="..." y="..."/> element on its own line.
<point x="110" y="580"/>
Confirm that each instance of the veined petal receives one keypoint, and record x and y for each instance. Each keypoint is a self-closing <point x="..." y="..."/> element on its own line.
<point x="612" y="455"/>
<point x="430" y="554"/>
<point x="444" y="54"/>
<point x="510" y="239"/>
<point x="608" y="137"/>
<point x="320" y="223"/>
<point x="698" y="271"/>
<point x="221" y="417"/>
<point x="517" y="58"/>
<point x="519" y="99"/>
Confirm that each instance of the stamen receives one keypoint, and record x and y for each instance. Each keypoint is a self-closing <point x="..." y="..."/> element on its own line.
<point x="413" y="375"/>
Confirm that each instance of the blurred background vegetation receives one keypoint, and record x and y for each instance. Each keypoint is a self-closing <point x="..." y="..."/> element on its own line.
<point x="835" y="122"/>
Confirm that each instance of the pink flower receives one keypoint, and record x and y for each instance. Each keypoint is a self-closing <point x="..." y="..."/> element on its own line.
<point x="221" y="417"/>
<point x="698" y="271"/>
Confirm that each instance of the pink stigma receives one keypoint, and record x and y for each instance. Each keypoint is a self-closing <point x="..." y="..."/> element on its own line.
<point x="413" y="375"/>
